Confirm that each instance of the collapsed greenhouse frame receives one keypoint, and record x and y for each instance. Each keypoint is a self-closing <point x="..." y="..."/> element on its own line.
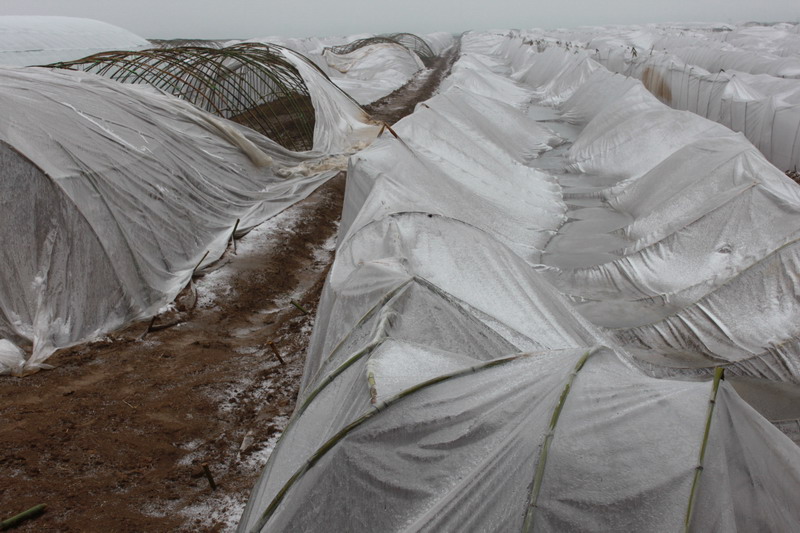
<point x="252" y="84"/>
<point x="409" y="41"/>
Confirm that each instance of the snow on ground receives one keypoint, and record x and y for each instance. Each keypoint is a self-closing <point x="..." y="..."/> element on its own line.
<point x="251" y="445"/>
<point x="217" y="282"/>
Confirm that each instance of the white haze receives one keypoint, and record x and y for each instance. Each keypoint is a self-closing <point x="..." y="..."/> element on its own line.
<point x="251" y="18"/>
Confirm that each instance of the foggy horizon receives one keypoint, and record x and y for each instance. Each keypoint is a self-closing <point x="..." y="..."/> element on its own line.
<point x="240" y="19"/>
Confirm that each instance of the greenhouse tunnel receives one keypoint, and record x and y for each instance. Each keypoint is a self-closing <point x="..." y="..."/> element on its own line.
<point x="409" y="41"/>
<point x="252" y="84"/>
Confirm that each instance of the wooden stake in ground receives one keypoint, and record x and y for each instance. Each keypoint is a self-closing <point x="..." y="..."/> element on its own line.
<point x="300" y="307"/>
<point x="233" y="235"/>
<point x="276" y="352"/>
<point x="210" y="478"/>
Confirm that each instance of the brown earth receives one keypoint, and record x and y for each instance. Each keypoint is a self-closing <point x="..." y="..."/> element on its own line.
<point x="402" y="101"/>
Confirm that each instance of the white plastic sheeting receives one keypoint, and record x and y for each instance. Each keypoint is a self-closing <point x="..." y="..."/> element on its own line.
<point x="682" y="238"/>
<point x="476" y="76"/>
<point x="44" y="40"/>
<point x="113" y="194"/>
<point x="368" y="73"/>
<point x="371" y="72"/>
<point x="554" y="78"/>
<point x="756" y="50"/>
<point x="714" y="60"/>
<point x="439" y="41"/>
<point x="782" y="39"/>
<point x="772" y="50"/>
<point x="746" y="79"/>
<point x="340" y="123"/>
<point x="310" y="47"/>
<point x="463" y="451"/>
<point x="450" y="388"/>
<point x="765" y="109"/>
<point x="522" y="206"/>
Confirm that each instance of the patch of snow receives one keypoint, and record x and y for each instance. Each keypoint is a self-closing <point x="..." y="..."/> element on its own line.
<point x="166" y="309"/>
<point x="224" y="398"/>
<point x="148" y="343"/>
<point x="257" y="458"/>
<point x="189" y="458"/>
<point x="245" y="332"/>
<point x="218" y="282"/>
<point x="192" y="447"/>
<point x="16" y="472"/>
<point x="218" y="509"/>
<point x="158" y="509"/>
<point x="248" y="350"/>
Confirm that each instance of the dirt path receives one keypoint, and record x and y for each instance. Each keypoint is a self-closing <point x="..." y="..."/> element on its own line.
<point x="401" y="102"/>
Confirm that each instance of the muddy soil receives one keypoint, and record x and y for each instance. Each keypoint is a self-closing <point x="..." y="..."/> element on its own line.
<point x="402" y="101"/>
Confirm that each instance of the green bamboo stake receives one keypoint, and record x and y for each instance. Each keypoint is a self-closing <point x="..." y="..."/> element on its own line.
<point x="300" y="307"/>
<point x="344" y="432"/>
<point x="698" y="471"/>
<point x="365" y="352"/>
<point x="14" y="521"/>
<point x="233" y="235"/>
<point x="539" y="476"/>
<point x="200" y="262"/>
<point x="373" y="390"/>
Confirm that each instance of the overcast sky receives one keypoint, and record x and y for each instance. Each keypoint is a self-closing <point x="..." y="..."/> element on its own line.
<point x="300" y="18"/>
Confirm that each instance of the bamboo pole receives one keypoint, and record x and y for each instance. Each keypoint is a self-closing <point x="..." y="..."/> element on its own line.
<point x="540" y="466"/>
<point x="233" y="235"/>
<point x="698" y="471"/>
<point x="300" y="307"/>
<point x="276" y="352"/>
<point x="14" y="521"/>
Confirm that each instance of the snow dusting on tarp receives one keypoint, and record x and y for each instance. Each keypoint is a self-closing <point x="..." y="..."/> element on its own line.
<point x="114" y="194"/>
<point x="747" y="78"/>
<point x="683" y="238"/>
<point x="367" y="73"/>
<point x="450" y="387"/>
<point x="371" y="72"/>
